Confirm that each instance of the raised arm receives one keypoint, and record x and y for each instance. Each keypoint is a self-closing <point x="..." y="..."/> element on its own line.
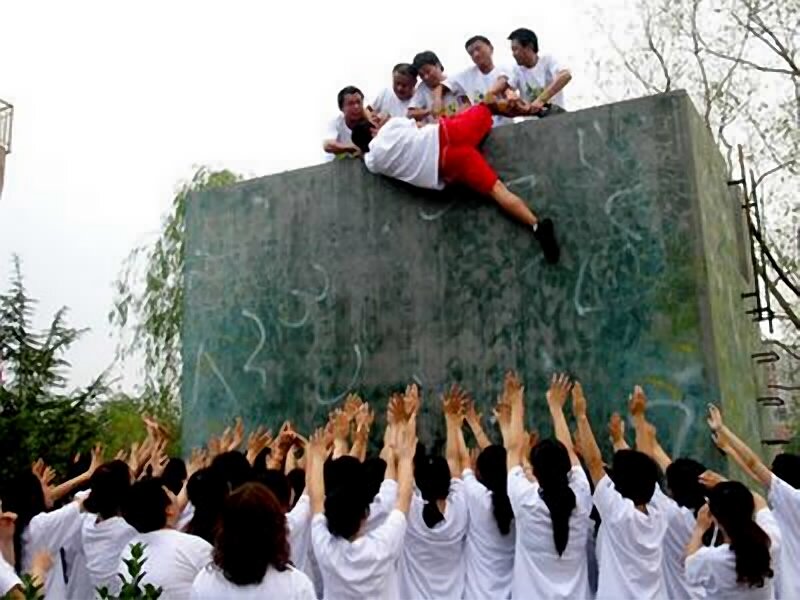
<point x="341" y="430"/>
<point x="363" y="419"/>
<point x="560" y="386"/>
<point x="405" y="449"/>
<point x="646" y="436"/>
<point x="701" y="525"/>
<point x="453" y="408"/>
<point x="730" y="444"/>
<point x="589" y="449"/>
<point x="473" y="419"/>
<point x="315" y="464"/>
<point x="59" y="491"/>
<point x="514" y="436"/>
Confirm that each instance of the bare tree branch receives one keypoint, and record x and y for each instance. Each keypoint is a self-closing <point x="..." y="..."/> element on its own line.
<point x="652" y="46"/>
<point x="743" y="61"/>
<point x="780" y="167"/>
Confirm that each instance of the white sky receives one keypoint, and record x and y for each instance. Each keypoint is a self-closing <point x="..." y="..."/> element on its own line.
<point x="115" y="104"/>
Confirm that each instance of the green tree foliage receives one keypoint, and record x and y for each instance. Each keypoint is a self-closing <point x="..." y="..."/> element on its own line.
<point x="39" y="417"/>
<point x="148" y="305"/>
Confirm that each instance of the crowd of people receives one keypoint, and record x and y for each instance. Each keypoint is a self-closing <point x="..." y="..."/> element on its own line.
<point x="429" y="135"/>
<point x="300" y="518"/>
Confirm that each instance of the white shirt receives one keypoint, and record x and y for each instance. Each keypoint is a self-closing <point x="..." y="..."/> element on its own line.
<point x="173" y="558"/>
<point x="432" y="563"/>
<point x="539" y="572"/>
<point x="785" y="503"/>
<point x="488" y="554"/>
<point x="339" y="131"/>
<point x="103" y="543"/>
<point x="474" y="84"/>
<point x="8" y="577"/>
<point x="187" y="514"/>
<point x="629" y="547"/>
<point x="51" y="531"/>
<point x="403" y="151"/>
<point x="382" y="505"/>
<point x="532" y="82"/>
<point x="298" y="521"/>
<point x="291" y="584"/>
<point x="363" y="569"/>
<point x="680" y="525"/>
<point x="388" y="103"/>
<point x="714" y="568"/>
<point x="423" y="98"/>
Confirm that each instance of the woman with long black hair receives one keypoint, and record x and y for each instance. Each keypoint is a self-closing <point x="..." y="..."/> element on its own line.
<point x="552" y="512"/>
<point x="432" y="563"/>
<point x="742" y="568"/>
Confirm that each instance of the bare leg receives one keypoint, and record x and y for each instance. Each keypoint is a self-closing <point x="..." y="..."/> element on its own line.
<point x="513" y="204"/>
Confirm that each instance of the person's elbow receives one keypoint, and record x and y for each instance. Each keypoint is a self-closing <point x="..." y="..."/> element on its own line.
<point x="565" y="76"/>
<point x="329" y="145"/>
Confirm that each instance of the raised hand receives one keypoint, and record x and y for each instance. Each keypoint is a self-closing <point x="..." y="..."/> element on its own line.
<point x="513" y="390"/>
<point x="471" y="414"/>
<point x="709" y="479"/>
<point x="364" y="417"/>
<point x="704" y="518"/>
<point x="411" y="400"/>
<point x="616" y="428"/>
<point x="714" y="420"/>
<point x="638" y="403"/>
<point x="97" y="459"/>
<point x="256" y="442"/>
<point x="341" y="424"/>
<point x="396" y="412"/>
<point x="502" y="412"/>
<point x="197" y="461"/>
<point x="578" y="400"/>
<point x="351" y="406"/>
<point x="560" y="386"/>
<point x="238" y="435"/>
<point x="453" y="403"/>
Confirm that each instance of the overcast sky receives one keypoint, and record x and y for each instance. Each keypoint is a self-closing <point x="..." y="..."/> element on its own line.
<point x="115" y="104"/>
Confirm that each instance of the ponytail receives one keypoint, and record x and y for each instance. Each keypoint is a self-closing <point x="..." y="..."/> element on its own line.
<point x="732" y="505"/>
<point x="491" y="472"/>
<point x="551" y="466"/>
<point x="560" y="500"/>
<point x="433" y="480"/>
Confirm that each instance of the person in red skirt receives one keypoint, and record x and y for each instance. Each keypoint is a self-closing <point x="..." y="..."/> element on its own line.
<point x="434" y="155"/>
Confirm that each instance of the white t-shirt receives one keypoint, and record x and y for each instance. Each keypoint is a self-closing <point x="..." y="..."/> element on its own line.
<point x="474" y="84"/>
<point x="714" y="568"/>
<point x="187" y="514"/>
<point x="423" y="98"/>
<point x="388" y="103"/>
<point x="432" y="562"/>
<point x="382" y="505"/>
<point x="298" y="521"/>
<point x="680" y="525"/>
<point x="79" y="583"/>
<point x="51" y="531"/>
<point x="630" y="546"/>
<point x="362" y="569"/>
<point x="8" y="577"/>
<point x="103" y="543"/>
<point x="291" y="584"/>
<point x="339" y="131"/>
<point x="539" y="572"/>
<point x="403" y="151"/>
<point x="173" y="559"/>
<point x="785" y="503"/>
<point x="488" y="554"/>
<point x="532" y="82"/>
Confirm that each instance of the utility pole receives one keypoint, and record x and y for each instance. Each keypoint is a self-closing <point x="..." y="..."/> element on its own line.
<point x="6" y="121"/>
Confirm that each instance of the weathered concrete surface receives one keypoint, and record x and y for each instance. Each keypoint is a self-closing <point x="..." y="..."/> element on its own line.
<point x="304" y="285"/>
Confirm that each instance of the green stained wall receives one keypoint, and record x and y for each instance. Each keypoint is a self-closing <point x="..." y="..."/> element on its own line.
<point x="305" y="285"/>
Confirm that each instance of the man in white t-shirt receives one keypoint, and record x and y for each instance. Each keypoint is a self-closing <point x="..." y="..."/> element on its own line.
<point x="538" y="78"/>
<point x="435" y="96"/>
<point x="173" y="558"/>
<point x="394" y="101"/>
<point x="337" y="141"/>
<point x="430" y="156"/>
<point x="475" y="81"/>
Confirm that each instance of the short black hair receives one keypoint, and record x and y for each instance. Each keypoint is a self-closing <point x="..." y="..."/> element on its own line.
<point x="525" y="37"/>
<point x="405" y="69"/>
<point x="427" y="58"/>
<point x="361" y="135"/>
<point x="146" y="508"/>
<point x="347" y="91"/>
<point x="635" y="475"/>
<point x="478" y="38"/>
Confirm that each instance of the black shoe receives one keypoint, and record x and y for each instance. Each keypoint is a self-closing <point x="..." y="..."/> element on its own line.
<point x="546" y="236"/>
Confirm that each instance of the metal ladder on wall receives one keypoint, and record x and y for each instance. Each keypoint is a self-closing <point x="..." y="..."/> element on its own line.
<point x="6" y="122"/>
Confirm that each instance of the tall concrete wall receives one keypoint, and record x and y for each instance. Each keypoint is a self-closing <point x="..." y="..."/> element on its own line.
<point x="305" y="285"/>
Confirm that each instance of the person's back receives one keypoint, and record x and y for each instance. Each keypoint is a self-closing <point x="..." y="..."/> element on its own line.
<point x="539" y="570"/>
<point x="784" y="499"/>
<point x="173" y="560"/>
<point x="489" y="545"/>
<point x="291" y="584"/>
<point x="406" y="152"/>
<point x="629" y="547"/>
<point x="103" y="542"/>
<point x="432" y="562"/>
